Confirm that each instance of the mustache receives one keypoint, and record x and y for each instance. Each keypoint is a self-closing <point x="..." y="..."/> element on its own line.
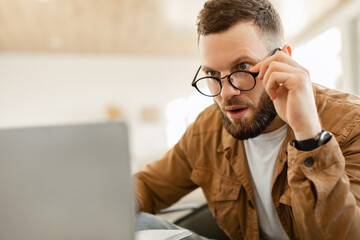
<point x="236" y="101"/>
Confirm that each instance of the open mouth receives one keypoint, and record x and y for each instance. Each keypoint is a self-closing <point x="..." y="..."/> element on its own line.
<point x="236" y="110"/>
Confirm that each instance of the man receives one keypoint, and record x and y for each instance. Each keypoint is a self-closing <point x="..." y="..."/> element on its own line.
<point x="276" y="156"/>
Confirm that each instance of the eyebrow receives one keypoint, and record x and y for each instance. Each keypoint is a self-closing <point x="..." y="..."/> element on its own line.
<point x="206" y="68"/>
<point x="243" y="58"/>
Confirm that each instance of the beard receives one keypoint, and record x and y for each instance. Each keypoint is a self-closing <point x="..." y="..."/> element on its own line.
<point x="242" y="129"/>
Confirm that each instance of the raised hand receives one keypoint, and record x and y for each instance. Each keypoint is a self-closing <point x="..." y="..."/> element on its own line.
<point x="289" y="86"/>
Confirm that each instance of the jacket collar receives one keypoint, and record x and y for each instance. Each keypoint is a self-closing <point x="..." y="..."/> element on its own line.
<point x="227" y="141"/>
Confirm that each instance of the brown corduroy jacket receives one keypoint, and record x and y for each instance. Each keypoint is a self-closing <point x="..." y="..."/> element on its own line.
<point x="317" y="199"/>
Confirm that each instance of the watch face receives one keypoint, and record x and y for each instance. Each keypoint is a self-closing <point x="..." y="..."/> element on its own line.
<point x="325" y="136"/>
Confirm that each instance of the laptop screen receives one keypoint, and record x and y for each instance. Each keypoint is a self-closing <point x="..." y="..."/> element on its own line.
<point x="66" y="182"/>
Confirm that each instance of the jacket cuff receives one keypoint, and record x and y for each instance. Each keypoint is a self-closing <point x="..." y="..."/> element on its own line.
<point x="317" y="159"/>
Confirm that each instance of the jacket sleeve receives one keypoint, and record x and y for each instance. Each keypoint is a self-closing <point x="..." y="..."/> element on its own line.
<point x="325" y="186"/>
<point x="166" y="180"/>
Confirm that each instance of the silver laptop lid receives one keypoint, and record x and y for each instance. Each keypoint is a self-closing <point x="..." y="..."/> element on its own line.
<point x="66" y="182"/>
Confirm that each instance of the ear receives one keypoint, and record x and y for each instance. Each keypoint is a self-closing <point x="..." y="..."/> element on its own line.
<point x="287" y="49"/>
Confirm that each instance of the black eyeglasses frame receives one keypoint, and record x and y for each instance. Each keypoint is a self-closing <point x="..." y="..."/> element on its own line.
<point x="254" y="75"/>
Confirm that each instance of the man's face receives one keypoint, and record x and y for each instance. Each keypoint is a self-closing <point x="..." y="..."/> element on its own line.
<point x="244" y="114"/>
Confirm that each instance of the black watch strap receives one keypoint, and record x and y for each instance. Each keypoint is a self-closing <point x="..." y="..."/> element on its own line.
<point x="312" y="143"/>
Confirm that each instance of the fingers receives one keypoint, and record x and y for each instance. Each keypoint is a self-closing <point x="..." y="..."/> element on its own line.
<point x="279" y="80"/>
<point x="281" y="71"/>
<point x="281" y="57"/>
<point x="277" y="67"/>
<point x="256" y="68"/>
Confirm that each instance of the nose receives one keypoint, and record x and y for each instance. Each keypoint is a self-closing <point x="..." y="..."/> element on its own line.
<point x="228" y="90"/>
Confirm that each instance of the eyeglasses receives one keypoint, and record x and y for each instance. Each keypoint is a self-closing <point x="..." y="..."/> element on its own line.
<point x="240" y="80"/>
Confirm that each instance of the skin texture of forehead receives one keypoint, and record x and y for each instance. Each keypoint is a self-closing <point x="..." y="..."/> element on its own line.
<point x="221" y="48"/>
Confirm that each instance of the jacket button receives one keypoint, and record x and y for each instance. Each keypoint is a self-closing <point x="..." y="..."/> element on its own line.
<point x="309" y="162"/>
<point x="251" y="205"/>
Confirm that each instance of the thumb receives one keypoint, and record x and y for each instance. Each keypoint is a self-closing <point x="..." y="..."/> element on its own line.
<point x="255" y="68"/>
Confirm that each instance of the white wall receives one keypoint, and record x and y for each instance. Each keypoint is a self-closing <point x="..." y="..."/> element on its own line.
<point x="45" y="89"/>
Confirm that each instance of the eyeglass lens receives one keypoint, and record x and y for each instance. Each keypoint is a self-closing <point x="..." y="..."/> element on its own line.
<point x="211" y="86"/>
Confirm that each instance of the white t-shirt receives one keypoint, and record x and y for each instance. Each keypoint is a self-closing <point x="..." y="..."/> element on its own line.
<point x="262" y="153"/>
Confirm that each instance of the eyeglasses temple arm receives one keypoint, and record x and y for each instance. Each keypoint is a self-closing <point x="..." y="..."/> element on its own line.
<point x="274" y="51"/>
<point x="192" y="83"/>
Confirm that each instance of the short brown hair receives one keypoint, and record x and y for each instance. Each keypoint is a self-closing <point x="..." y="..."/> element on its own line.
<point x="220" y="15"/>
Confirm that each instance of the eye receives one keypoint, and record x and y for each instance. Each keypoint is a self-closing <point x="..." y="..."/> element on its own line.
<point x="212" y="73"/>
<point x="243" y="66"/>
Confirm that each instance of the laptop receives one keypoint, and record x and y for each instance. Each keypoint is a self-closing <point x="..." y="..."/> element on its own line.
<point x="66" y="182"/>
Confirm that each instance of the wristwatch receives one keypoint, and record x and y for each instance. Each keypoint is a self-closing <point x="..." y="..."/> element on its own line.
<point x="312" y="143"/>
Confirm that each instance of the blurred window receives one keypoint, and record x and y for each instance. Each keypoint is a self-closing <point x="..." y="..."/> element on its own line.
<point x="321" y="56"/>
<point x="181" y="112"/>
